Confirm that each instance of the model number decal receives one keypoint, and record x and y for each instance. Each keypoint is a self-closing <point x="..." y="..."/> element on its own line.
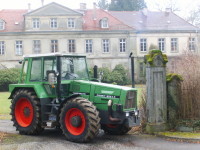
<point x="106" y="96"/>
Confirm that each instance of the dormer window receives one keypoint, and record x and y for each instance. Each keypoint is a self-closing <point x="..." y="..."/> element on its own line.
<point x="104" y="23"/>
<point x="36" y="23"/>
<point x="53" y="23"/>
<point x="71" y="23"/>
<point x="2" y="25"/>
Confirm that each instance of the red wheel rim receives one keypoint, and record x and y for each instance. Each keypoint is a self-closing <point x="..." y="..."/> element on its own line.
<point x="72" y="113"/>
<point x="24" y="112"/>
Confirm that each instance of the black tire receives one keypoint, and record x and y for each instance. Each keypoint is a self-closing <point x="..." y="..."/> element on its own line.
<point x="118" y="129"/>
<point x="89" y="122"/>
<point x="28" y="120"/>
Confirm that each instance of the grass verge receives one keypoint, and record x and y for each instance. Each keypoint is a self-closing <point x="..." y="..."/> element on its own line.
<point x="4" y="105"/>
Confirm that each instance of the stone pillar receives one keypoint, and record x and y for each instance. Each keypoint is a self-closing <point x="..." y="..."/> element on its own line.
<point x="173" y="97"/>
<point x="156" y="91"/>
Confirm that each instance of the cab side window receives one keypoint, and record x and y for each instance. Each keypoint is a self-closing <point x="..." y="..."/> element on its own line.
<point x="24" y="73"/>
<point x="36" y="70"/>
<point x="49" y="64"/>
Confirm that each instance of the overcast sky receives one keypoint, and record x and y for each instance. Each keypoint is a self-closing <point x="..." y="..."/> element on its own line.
<point x="184" y="5"/>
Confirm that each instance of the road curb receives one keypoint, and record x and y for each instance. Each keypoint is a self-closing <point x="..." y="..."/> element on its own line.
<point x="179" y="139"/>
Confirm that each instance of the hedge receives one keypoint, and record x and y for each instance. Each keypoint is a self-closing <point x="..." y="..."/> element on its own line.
<point x="8" y="76"/>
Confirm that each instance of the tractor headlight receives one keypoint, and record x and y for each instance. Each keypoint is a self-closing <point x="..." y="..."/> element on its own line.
<point x="127" y="114"/>
<point x="136" y="112"/>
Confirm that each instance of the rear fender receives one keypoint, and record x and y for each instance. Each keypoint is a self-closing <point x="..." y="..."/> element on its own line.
<point x="19" y="88"/>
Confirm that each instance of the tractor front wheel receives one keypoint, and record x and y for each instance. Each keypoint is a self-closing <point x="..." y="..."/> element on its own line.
<point x="25" y="112"/>
<point x="79" y="120"/>
<point x="115" y="129"/>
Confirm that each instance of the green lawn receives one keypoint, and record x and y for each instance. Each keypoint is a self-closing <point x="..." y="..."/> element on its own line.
<point x="4" y="105"/>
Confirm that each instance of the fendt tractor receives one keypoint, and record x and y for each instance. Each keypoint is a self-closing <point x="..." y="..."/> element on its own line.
<point x="54" y="90"/>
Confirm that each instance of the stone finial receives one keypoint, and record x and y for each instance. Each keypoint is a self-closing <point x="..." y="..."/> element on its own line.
<point x="156" y="58"/>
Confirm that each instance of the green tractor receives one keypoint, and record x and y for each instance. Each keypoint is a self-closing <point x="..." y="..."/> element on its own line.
<point x="54" y="90"/>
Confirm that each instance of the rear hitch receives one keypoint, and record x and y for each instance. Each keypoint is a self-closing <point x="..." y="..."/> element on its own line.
<point x="110" y="113"/>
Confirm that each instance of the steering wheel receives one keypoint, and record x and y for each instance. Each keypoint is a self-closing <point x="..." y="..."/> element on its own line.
<point x="69" y="75"/>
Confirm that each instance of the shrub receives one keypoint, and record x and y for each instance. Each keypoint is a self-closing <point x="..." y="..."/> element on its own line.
<point x="188" y="66"/>
<point x="120" y="75"/>
<point x="8" y="76"/>
<point x="106" y="77"/>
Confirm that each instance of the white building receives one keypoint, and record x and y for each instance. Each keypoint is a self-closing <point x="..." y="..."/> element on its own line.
<point x="107" y="38"/>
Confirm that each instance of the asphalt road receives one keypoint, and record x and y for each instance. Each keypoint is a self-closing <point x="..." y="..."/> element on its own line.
<point x="52" y="139"/>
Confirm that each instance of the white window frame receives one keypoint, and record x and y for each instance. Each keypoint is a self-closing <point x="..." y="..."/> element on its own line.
<point x="192" y="44"/>
<point x="2" y="47"/>
<point x="71" y="23"/>
<point x="54" y="46"/>
<point x="161" y="44"/>
<point x="106" y="45"/>
<point x="143" y="45"/>
<point x="88" y="45"/>
<point x="122" y="45"/>
<point x="36" y="46"/>
<point x="104" y="23"/>
<point x="36" y="23"/>
<point x="174" y="44"/>
<point x="19" y="47"/>
<point x="71" y="46"/>
<point x="53" y="23"/>
<point x="2" y="24"/>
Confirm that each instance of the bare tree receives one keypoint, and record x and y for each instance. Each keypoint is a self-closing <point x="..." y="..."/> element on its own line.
<point x="171" y="4"/>
<point x="194" y="17"/>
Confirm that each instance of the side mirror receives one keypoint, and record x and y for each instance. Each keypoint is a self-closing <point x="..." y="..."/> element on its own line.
<point x="51" y="74"/>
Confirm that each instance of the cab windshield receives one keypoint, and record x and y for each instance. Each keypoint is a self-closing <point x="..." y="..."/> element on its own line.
<point x="74" y="68"/>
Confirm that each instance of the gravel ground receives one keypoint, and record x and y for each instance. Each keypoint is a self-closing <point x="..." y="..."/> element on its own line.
<point x="52" y="139"/>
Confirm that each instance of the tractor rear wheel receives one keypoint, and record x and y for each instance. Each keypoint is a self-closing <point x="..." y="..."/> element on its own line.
<point x="79" y="120"/>
<point x="25" y="112"/>
<point x="115" y="129"/>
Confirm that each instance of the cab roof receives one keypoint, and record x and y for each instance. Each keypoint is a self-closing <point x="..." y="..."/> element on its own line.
<point x="53" y="54"/>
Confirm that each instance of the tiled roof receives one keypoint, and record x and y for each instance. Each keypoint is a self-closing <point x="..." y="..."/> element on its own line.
<point x="153" y="20"/>
<point x="117" y="20"/>
<point x="92" y="21"/>
<point x="14" y="19"/>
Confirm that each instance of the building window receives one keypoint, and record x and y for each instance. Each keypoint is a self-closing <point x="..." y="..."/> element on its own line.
<point x="53" y="23"/>
<point x="104" y="23"/>
<point x="122" y="45"/>
<point x="105" y="44"/>
<point x="71" y="23"/>
<point x="18" y="48"/>
<point x="192" y="44"/>
<point x="161" y="44"/>
<point x="54" y="46"/>
<point x="71" y="46"/>
<point x="2" y="25"/>
<point x="174" y="44"/>
<point x="88" y="46"/>
<point x="2" y="47"/>
<point x="36" y="47"/>
<point x="36" y="23"/>
<point x="143" y="45"/>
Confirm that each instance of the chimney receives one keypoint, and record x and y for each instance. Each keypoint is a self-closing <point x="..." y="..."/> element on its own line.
<point x="83" y="6"/>
<point x="94" y="11"/>
<point x="29" y="7"/>
<point x="42" y="1"/>
<point x="167" y="11"/>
